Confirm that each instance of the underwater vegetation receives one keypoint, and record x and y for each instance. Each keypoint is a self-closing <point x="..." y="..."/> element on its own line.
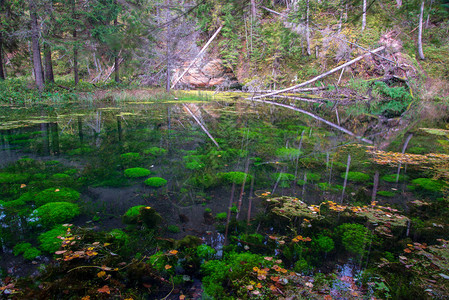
<point x="136" y="172"/>
<point x="155" y="182"/>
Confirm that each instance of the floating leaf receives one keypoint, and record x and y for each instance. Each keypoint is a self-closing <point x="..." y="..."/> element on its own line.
<point x="105" y="289"/>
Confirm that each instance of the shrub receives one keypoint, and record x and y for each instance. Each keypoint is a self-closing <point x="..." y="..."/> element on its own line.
<point x="49" y="241"/>
<point x="56" y="195"/>
<point x="428" y="184"/>
<point x="137" y="172"/>
<point x="236" y="177"/>
<point x="155" y="151"/>
<point x="356" y="176"/>
<point x="54" y="213"/>
<point x="155" y="182"/>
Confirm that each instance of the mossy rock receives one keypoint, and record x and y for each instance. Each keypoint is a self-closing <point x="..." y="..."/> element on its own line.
<point x="49" y="241"/>
<point x="56" y="195"/>
<point x="236" y="177"/>
<point x="142" y="214"/>
<point x="392" y="178"/>
<point x="13" y="178"/>
<point x="356" y="176"/>
<point x="155" y="182"/>
<point x="428" y="184"/>
<point x="54" y="213"/>
<point x="155" y="151"/>
<point x="386" y="193"/>
<point x="137" y="172"/>
<point x="27" y="250"/>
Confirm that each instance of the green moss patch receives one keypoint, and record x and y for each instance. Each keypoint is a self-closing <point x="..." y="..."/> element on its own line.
<point x="56" y="195"/>
<point x="137" y="172"/>
<point x="155" y="182"/>
<point x="236" y="177"/>
<point x="155" y="151"/>
<point x="13" y="178"/>
<point x="428" y="184"/>
<point x="49" y="241"/>
<point x="54" y="213"/>
<point x="392" y="177"/>
<point x="356" y="176"/>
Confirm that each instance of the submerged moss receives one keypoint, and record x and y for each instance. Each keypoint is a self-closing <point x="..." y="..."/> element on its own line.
<point x="137" y="172"/>
<point x="236" y="177"/>
<point x="155" y="151"/>
<point x="156" y="182"/>
<point x="56" y="195"/>
<point x="54" y="213"/>
<point x="356" y="176"/>
<point x="428" y="184"/>
<point x="49" y="241"/>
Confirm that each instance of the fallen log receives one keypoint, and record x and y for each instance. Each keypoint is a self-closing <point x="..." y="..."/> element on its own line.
<point x="322" y="75"/>
<point x="315" y="117"/>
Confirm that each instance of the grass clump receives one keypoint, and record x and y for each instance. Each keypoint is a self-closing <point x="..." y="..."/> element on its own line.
<point x="137" y="172"/>
<point x="54" y="213"/>
<point x="56" y="195"/>
<point x="356" y="176"/>
<point x="155" y="182"/>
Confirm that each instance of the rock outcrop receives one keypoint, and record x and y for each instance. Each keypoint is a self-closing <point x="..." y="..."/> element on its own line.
<point x="207" y="75"/>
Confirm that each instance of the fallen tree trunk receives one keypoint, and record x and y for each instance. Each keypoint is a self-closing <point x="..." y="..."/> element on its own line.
<point x="322" y="75"/>
<point x="315" y="117"/>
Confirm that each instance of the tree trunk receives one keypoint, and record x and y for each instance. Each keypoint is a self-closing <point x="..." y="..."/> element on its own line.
<point x="307" y="29"/>
<point x="116" y="59"/>
<point x="253" y="9"/>
<point x="2" y="75"/>
<point x="37" y="62"/>
<point x="75" y="48"/>
<point x="49" y="77"/>
<point x="420" y="51"/>
<point x="364" y="15"/>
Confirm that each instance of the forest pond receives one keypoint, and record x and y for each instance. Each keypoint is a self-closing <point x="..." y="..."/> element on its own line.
<point x="191" y="161"/>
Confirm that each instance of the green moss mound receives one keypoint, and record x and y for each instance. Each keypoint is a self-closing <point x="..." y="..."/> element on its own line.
<point x="236" y="177"/>
<point x="21" y="248"/>
<point x="221" y="216"/>
<point x="56" y="195"/>
<point x="428" y="184"/>
<point x="155" y="151"/>
<point x="155" y="182"/>
<point x="137" y="172"/>
<point x="392" y="177"/>
<point x="60" y="176"/>
<point x="142" y="214"/>
<point x="54" y="213"/>
<point x="130" y="156"/>
<point x="13" y="178"/>
<point x="356" y="176"/>
<point x="49" y="241"/>
<point x="27" y="250"/>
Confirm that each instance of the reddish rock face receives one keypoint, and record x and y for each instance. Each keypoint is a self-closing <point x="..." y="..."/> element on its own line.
<point x="211" y="74"/>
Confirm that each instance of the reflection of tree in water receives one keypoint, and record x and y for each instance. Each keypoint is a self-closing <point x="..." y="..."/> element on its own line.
<point x="96" y="124"/>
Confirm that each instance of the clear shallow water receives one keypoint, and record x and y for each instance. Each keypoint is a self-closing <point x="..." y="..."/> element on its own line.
<point x="286" y="152"/>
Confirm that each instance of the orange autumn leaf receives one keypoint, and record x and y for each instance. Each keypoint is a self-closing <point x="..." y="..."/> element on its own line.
<point x="328" y="297"/>
<point x="104" y="289"/>
<point x="86" y="298"/>
<point x="57" y="190"/>
<point x="101" y="274"/>
<point x="182" y="297"/>
<point x="273" y="288"/>
<point x="275" y="278"/>
<point x="407" y="250"/>
<point x="167" y="267"/>
<point x="173" y="252"/>
<point x="22" y="185"/>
